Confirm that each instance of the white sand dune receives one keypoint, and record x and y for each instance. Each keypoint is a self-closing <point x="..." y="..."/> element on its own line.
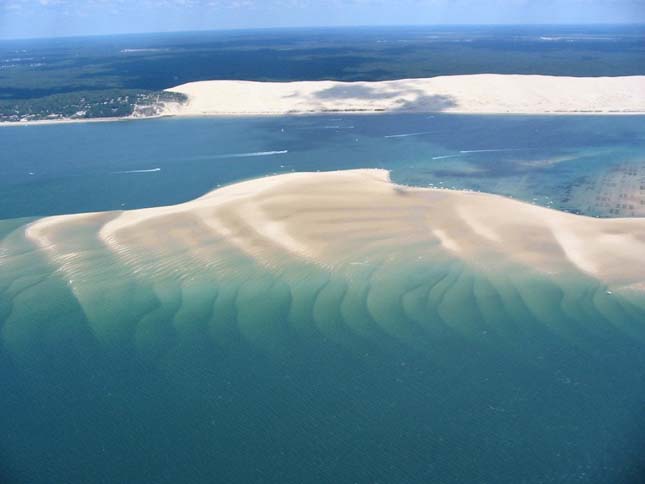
<point x="481" y="93"/>
<point x="334" y="219"/>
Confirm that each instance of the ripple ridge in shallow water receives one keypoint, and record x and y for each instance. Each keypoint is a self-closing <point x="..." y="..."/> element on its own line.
<point x="345" y="255"/>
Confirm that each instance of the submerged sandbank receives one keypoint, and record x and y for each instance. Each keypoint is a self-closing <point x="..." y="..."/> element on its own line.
<point x="480" y="93"/>
<point x="348" y="255"/>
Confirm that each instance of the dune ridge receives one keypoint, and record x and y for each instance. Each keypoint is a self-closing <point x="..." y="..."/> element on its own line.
<point x="479" y="93"/>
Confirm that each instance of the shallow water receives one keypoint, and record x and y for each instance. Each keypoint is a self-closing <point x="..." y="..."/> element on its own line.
<point x="397" y="371"/>
<point x="391" y="372"/>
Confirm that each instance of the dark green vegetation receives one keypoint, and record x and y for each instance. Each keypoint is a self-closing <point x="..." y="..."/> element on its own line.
<point x="138" y="66"/>
<point x="86" y="104"/>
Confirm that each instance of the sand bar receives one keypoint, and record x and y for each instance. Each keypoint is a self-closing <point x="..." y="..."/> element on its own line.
<point x="334" y="219"/>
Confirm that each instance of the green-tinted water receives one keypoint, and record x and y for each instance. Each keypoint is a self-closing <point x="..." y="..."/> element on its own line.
<point x="399" y="371"/>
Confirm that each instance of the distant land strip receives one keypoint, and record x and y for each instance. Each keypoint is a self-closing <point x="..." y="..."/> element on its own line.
<point x="464" y="94"/>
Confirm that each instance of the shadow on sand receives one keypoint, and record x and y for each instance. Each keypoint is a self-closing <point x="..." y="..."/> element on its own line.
<point x="404" y="98"/>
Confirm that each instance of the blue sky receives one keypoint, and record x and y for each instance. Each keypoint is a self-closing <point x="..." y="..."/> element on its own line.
<point x="46" y="18"/>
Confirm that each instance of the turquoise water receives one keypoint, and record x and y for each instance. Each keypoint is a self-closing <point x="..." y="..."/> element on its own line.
<point x="550" y="160"/>
<point x="401" y="372"/>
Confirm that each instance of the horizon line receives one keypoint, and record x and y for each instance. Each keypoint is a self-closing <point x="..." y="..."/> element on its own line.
<point x="306" y="27"/>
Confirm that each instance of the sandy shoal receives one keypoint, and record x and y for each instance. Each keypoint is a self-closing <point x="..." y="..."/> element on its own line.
<point x="336" y="219"/>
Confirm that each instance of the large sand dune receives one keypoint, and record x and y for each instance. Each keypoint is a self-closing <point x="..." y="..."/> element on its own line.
<point x="482" y="93"/>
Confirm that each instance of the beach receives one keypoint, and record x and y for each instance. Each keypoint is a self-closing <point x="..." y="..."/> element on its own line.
<point x="459" y="94"/>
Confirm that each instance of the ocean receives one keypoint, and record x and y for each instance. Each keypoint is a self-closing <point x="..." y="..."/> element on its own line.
<point x="556" y="161"/>
<point x="240" y="372"/>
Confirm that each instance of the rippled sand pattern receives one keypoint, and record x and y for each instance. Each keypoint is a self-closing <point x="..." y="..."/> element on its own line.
<point x="346" y="256"/>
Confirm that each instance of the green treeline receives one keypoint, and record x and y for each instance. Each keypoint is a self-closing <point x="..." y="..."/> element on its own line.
<point x="112" y="103"/>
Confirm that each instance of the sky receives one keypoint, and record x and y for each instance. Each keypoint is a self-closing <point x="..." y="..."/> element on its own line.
<point x="54" y="18"/>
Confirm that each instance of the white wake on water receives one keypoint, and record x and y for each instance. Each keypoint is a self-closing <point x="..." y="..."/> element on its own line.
<point x="151" y="170"/>
<point x="405" y="135"/>
<point x="253" y="154"/>
<point x="492" y="151"/>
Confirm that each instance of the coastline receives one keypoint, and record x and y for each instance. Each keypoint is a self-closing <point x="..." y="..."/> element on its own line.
<point x="45" y="122"/>
<point x="480" y="94"/>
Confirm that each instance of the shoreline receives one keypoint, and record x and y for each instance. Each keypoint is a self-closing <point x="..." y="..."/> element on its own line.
<point x="48" y="122"/>
<point x="478" y="94"/>
<point x="247" y="186"/>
